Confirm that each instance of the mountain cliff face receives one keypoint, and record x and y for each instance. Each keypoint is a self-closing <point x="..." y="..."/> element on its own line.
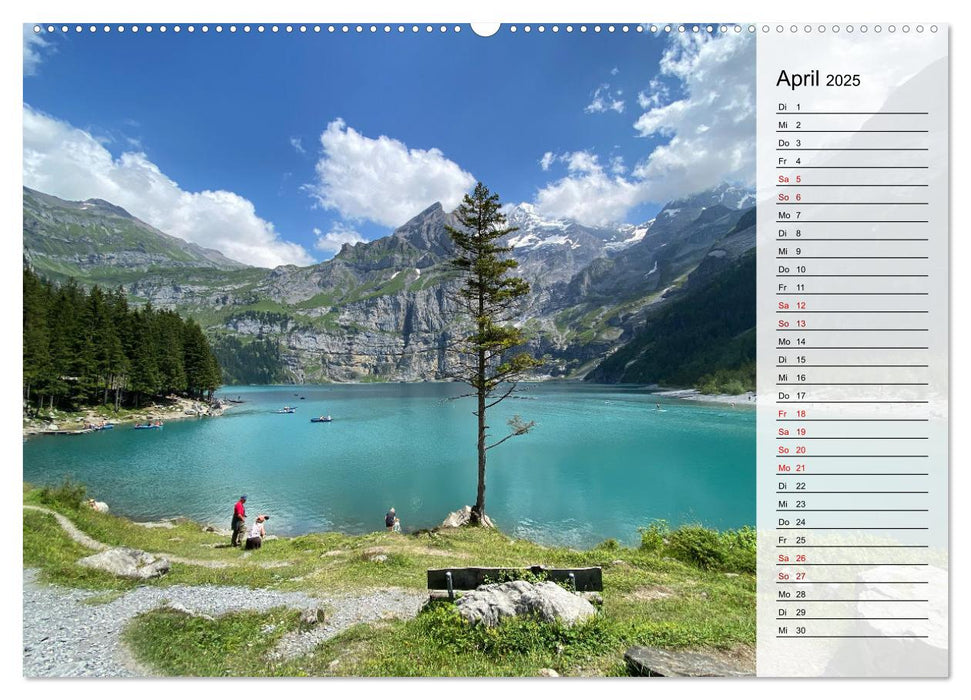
<point x="382" y="310"/>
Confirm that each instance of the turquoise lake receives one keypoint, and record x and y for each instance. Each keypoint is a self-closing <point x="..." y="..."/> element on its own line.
<point x="601" y="461"/>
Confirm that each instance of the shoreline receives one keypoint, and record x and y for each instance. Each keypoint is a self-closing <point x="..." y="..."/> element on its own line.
<point x="73" y="423"/>
<point x="746" y="399"/>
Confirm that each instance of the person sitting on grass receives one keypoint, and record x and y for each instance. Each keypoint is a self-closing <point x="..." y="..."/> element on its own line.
<point x="389" y="519"/>
<point x="257" y="533"/>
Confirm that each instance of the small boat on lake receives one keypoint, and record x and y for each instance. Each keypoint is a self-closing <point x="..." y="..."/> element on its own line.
<point x="148" y="426"/>
<point x="287" y="409"/>
<point x="322" y="419"/>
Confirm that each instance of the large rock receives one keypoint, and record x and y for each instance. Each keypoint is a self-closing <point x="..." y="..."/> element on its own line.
<point x="130" y="563"/>
<point x="651" y="661"/>
<point x="545" y="600"/>
<point x="462" y="516"/>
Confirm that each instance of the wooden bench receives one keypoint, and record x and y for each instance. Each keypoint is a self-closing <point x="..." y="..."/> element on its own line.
<point x="442" y="582"/>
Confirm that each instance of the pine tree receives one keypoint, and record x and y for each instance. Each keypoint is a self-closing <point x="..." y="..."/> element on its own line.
<point x="80" y="346"/>
<point x="108" y="353"/>
<point x="62" y="321"/>
<point x="201" y="368"/>
<point x="171" y="364"/>
<point x="143" y="377"/>
<point x="36" y="350"/>
<point x="121" y="320"/>
<point x="489" y="298"/>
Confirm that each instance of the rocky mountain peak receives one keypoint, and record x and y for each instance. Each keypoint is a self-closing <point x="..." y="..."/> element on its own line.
<point x="103" y="206"/>
<point x="525" y="217"/>
<point x="728" y="195"/>
<point x="426" y="231"/>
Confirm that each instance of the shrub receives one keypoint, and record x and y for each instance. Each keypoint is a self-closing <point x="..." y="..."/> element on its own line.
<point x="523" y="637"/>
<point x="67" y="494"/>
<point x="730" y="550"/>
<point x="697" y="545"/>
<point x="654" y="536"/>
<point x="739" y="548"/>
<point x="516" y="574"/>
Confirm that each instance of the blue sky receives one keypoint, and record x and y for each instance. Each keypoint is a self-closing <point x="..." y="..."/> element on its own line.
<point x="217" y="138"/>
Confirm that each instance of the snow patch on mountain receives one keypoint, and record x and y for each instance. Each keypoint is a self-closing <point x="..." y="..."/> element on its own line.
<point x="631" y="234"/>
<point x="525" y="217"/>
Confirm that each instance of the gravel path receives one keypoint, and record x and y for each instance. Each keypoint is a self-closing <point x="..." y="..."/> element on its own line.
<point x="75" y="534"/>
<point x="64" y="636"/>
<point x="71" y="529"/>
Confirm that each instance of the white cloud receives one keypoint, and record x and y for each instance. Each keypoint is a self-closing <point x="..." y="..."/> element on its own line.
<point x="615" y="70"/>
<point x="547" y="160"/>
<point x="712" y="128"/>
<point x="339" y="234"/>
<point x="581" y="162"/>
<point x="34" y="45"/>
<point x="657" y="93"/>
<point x="711" y="132"/>
<point x="297" y="144"/>
<point x="588" y="195"/>
<point x="381" y="179"/>
<point x="72" y="164"/>
<point x="604" y="99"/>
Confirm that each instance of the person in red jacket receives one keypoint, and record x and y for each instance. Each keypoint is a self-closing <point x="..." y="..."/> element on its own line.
<point x="239" y="520"/>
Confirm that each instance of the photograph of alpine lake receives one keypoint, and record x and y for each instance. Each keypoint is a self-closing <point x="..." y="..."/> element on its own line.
<point x="388" y="352"/>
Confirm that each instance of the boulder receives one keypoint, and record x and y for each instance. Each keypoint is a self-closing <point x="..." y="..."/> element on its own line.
<point x="461" y="517"/>
<point x="547" y="673"/>
<point x="545" y="600"/>
<point x="130" y="563"/>
<point x="651" y="661"/>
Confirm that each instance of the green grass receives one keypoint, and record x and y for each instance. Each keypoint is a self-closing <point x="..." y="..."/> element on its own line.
<point x="662" y="594"/>
<point x="178" y="644"/>
<point x="438" y="642"/>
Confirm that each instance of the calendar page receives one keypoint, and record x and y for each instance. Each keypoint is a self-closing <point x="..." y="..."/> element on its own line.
<point x="437" y="349"/>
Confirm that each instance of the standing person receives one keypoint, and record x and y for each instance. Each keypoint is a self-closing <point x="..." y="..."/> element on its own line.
<point x="389" y="519"/>
<point x="257" y="533"/>
<point x="239" y="520"/>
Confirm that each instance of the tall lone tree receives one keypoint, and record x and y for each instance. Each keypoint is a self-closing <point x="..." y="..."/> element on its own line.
<point x="490" y="298"/>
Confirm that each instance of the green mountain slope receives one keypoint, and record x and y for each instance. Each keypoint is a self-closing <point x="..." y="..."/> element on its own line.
<point x="705" y="337"/>
<point x="95" y="238"/>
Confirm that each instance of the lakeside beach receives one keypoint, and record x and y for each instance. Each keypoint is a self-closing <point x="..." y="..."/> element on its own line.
<point x="746" y="399"/>
<point x="177" y="408"/>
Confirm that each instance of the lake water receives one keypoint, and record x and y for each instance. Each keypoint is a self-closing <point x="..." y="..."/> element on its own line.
<point x="601" y="461"/>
